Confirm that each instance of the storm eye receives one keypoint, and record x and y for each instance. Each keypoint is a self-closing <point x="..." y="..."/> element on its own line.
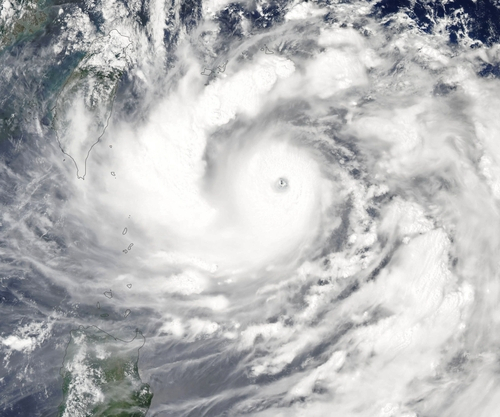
<point x="281" y="184"/>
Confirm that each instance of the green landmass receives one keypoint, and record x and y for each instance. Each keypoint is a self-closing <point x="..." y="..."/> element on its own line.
<point x="101" y="376"/>
<point x="84" y="105"/>
<point x="27" y="17"/>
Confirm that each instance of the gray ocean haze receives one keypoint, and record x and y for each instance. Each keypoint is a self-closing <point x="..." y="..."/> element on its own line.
<point x="255" y="208"/>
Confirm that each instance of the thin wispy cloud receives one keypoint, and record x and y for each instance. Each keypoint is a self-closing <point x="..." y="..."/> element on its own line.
<point x="296" y="204"/>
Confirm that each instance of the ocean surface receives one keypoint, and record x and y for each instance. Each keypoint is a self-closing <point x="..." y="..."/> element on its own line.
<point x="256" y="208"/>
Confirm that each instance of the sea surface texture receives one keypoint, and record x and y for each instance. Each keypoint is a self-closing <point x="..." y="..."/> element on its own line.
<point x="261" y="208"/>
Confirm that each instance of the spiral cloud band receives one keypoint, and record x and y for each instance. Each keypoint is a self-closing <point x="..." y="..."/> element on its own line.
<point x="253" y="208"/>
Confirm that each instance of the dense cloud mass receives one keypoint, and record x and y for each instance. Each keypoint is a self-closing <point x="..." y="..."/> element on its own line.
<point x="287" y="208"/>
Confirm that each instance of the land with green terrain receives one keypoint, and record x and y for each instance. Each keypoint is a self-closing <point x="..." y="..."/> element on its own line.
<point x="101" y="376"/>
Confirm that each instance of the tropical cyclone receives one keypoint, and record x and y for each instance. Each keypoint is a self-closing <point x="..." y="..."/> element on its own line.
<point x="269" y="194"/>
<point x="226" y="210"/>
<point x="310" y="192"/>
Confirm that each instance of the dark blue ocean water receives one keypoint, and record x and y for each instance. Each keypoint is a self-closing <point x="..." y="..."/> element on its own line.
<point x="38" y="236"/>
